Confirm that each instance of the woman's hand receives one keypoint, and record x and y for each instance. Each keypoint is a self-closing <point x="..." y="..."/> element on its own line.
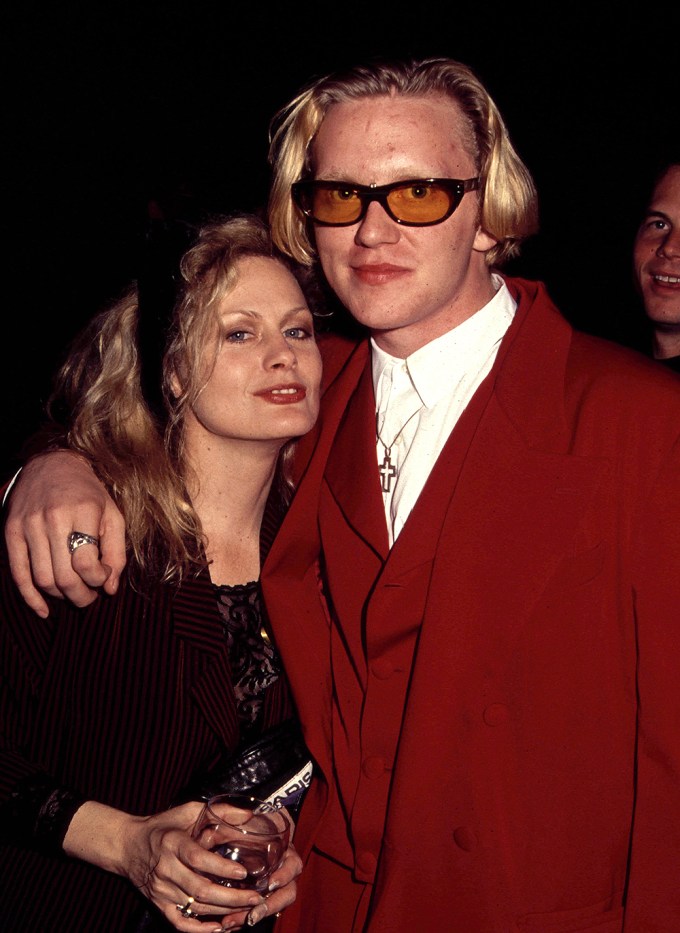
<point x="56" y="494"/>
<point x="161" y="859"/>
<point x="282" y="888"/>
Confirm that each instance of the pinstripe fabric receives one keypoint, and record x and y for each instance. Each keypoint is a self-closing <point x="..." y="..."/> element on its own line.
<point x="123" y="701"/>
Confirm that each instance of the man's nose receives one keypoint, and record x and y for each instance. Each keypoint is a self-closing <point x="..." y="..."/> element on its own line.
<point x="670" y="245"/>
<point x="377" y="227"/>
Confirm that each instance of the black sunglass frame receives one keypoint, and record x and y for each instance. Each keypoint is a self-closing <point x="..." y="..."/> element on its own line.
<point x="302" y="192"/>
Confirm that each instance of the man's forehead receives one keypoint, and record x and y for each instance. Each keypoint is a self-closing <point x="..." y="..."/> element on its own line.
<point x="667" y="190"/>
<point x="396" y="103"/>
<point x="399" y="118"/>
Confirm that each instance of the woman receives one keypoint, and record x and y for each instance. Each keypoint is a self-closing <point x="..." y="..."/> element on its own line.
<point x="106" y="713"/>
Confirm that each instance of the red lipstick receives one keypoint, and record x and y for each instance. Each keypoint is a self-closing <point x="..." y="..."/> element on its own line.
<point x="288" y="394"/>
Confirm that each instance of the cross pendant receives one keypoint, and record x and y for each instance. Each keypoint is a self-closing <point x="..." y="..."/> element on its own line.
<point x="387" y="472"/>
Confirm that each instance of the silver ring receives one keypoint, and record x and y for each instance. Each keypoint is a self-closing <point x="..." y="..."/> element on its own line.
<point x="77" y="538"/>
<point x="186" y="910"/>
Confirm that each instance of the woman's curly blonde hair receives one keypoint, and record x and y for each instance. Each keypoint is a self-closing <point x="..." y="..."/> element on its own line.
<point x="98" y="407"/>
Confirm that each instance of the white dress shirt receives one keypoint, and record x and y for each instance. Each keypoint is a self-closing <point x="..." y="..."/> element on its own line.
<point x="420" y="399"/>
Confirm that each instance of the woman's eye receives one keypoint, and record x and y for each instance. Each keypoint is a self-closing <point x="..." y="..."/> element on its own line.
<point x="297" y="333"/>
<point x="237" y="336"/>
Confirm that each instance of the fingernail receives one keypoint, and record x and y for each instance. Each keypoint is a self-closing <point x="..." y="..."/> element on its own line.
<point x="259" y="913"/>
<point x="255" y="900"/>
<point x="273" y="886"/>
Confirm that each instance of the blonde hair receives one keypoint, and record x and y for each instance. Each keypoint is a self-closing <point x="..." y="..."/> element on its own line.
<point x="508" y="202"/>
<point x="98" y="398"/>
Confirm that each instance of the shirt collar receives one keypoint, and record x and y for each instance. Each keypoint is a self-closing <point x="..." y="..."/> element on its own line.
<point x="437" y="366"/>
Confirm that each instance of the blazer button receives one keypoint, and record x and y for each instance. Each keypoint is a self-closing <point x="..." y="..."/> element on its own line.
<point x="496" y="714"/>
<point x="374" y="767"/>
<point x="382" y="668"/>
<point x="366" y="863"/>
<point x="465" y="838"/>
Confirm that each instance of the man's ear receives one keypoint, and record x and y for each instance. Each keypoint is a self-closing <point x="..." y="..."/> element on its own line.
<point x="483" y="241"/>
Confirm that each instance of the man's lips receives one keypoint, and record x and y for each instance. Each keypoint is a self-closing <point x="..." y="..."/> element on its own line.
<point x="665" y="280"/>
<point x="379" y="273"/>
<point x="287" y="394"/>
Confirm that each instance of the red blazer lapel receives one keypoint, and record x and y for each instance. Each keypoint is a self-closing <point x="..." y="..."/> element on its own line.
<point x="496" y="549"/>
<point x="352" y="471"/>
<point x="296" y="546"/>
<point x="519" y="454"/>
<point x="291" y="573"/>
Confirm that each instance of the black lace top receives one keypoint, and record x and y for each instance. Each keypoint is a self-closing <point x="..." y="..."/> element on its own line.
<point x="254" y="662"/>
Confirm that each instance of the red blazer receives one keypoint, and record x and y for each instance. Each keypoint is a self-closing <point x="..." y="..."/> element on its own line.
<point x="498" y="696"/>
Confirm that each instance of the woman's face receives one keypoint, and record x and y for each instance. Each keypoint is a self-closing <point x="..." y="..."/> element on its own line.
<point x="265" y="382"/>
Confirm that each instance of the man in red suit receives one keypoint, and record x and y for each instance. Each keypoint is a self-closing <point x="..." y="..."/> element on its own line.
<point x="475" y="590"/>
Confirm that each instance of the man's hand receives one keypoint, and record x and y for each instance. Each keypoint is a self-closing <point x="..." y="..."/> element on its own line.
<point x="56" y="494"/>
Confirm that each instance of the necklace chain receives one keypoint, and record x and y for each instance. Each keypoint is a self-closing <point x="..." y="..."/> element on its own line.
<point x="387" y="469"/>
<point x="388" y="447"/>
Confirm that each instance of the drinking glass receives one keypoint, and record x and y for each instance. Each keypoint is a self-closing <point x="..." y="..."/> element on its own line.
<point x="256" y="835"/>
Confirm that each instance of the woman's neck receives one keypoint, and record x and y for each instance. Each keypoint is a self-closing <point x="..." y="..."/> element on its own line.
<point x="229" y="485"/>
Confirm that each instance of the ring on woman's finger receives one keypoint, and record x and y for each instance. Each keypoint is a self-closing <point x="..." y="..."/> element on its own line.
<point x="278" y="913"/>
<point x="186" y="910"/>
<point x="77" y="538"/>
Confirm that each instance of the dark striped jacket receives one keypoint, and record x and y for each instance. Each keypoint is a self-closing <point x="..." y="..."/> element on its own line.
<point x="125" y="702"/>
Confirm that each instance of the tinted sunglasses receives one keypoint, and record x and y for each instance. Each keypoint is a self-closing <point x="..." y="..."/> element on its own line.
<point x="417" y="202"/>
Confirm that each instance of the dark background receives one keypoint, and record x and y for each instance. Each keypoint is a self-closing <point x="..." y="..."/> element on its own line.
<point x="109" y="107"/>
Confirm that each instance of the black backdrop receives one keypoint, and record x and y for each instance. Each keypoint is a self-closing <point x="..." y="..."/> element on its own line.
<point x="110" y="106"/>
